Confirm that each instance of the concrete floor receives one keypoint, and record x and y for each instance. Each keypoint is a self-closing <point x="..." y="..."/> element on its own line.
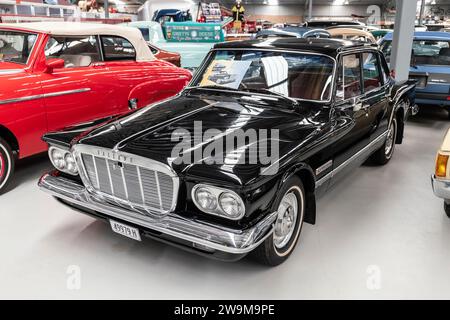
<point x="380" y="234"/>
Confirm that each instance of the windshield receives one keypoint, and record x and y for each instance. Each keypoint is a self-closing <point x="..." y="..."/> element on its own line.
<point x="296" y="75"/>
<point x="425" y="52"/>
<point x="16" y="46"/>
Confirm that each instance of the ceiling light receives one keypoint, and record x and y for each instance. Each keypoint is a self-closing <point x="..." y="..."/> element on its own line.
<point x="272" y="2"/>
<point x="338" y="2"/>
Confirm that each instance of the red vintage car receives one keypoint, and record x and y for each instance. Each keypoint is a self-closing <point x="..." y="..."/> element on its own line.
<point x="172" y="57"/>
<point x="55" y="75"/>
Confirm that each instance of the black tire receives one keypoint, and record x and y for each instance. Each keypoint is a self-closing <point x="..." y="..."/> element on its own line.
<point x="447" y="208"/>
<point x="7" y="163"/>
<point x="268" y="253"/>
<point x="384" y="154"/>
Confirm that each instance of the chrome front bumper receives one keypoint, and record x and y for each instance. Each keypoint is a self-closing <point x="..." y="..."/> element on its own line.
<point x="200" y="235"/>
<point x="441" y="188"/>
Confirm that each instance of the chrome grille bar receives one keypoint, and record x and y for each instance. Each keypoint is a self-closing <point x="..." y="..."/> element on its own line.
<point x="124" y="183"/>
<point x="158" y="189"/>
<point x="140" y="185"/>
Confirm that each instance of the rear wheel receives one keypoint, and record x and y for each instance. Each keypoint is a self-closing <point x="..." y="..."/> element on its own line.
<point x="6" y="165"/>
<point x="291" y="207"/>
<point x="384" y="154"/>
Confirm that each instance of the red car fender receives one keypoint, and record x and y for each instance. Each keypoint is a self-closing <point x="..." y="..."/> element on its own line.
<point x="147" y="92"/>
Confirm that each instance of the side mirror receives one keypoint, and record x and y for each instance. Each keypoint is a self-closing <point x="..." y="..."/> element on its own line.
<point x="54" y="64"/>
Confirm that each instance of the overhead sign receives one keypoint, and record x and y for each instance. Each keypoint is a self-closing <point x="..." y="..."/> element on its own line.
<point x="193" y="32"/>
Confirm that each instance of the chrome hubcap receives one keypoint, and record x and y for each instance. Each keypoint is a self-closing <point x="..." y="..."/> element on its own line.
<point x="286" y="220"/>
<point x="390" y="139"/>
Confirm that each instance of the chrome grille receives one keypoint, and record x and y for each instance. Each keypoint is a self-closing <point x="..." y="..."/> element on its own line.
<point x="131" y="185"/>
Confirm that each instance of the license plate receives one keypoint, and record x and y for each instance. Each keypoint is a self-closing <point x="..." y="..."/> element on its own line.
<point x="125" y="230"/>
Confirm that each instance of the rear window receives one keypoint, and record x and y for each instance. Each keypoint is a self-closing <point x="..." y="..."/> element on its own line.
<point x="425" y="52"/>
<point x="117" y="48"/>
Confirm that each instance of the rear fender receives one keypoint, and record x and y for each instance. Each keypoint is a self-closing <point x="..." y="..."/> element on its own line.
<point x="403" y="90"/>
<point x="156" y="90"/>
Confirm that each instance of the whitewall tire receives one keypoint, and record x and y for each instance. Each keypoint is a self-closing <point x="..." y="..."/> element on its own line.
<point x="6" y="165"/>
<point x="287" y="227"/>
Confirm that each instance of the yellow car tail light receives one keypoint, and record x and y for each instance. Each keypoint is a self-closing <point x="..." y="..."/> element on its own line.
<point x="441" y="165"/>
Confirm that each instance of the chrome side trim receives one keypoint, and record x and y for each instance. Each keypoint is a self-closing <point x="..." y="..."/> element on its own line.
<point x="364" y="150"/>
<point x="211" y="236"/>
<point x="42" y="96"/>
<point x="63" y="93"/>
<point x="324" y="167"/>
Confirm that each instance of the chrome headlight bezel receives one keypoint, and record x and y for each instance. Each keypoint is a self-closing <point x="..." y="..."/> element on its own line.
<point x="65" y="155"/>
<point x="218" y="193"/>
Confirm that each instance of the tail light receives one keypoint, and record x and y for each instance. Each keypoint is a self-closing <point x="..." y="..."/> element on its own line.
<point x="441" y="165"/>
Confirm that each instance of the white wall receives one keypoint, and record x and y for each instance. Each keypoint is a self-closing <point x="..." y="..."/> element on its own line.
<point x="274" y="10"/>
<point x="318" y="10"/>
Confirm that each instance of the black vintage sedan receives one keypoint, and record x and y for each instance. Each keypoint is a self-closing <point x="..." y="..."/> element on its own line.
<point x="225" y="170"/>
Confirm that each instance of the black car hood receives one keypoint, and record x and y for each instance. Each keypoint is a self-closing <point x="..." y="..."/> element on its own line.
<point x="154" y="132"/>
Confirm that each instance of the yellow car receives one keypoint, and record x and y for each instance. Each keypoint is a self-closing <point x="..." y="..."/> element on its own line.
<point x="441" y="178"/>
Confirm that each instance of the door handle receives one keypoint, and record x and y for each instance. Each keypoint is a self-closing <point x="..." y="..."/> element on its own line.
<point x="98" y="64"/>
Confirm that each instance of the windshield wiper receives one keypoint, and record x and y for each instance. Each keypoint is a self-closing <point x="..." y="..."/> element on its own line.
<point x="268" y="92"/>
<point x="212" y="87"/>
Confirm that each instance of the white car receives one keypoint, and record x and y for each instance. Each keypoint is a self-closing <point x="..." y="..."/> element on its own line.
<point x="441" y="178"/>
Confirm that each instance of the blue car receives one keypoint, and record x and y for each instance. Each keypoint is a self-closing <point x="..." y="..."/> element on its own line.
<point x="430" y="66"/>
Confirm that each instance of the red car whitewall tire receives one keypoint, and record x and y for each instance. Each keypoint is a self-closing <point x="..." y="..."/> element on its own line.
<point x="6" y="164"/>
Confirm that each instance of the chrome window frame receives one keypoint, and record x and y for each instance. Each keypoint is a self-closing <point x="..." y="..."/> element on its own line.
<point x="363" y="94"/>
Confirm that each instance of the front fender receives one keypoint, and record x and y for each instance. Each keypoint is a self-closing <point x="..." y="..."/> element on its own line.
<point x="306" y="174"/>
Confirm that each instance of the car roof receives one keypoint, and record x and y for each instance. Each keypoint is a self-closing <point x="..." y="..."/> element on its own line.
<point x="133" y="35"/>
<point x="425" y="35"/>
<point x="332" y="22"/>
<point x="325" y="46"/>
<point x="351" y="32"/>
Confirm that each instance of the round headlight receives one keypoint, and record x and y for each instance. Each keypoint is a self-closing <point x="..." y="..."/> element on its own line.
<point x="71" y="165"/>
<point x="231" y="204"/>
<point x="57" y="158"/>
<point x="205" y="199"/>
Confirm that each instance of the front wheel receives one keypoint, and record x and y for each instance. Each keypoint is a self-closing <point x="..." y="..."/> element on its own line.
<point x="447" y="208"/>
<point x="384" y="154"/>
<point x="291" y="207"/>
<point x="6" y="165"/>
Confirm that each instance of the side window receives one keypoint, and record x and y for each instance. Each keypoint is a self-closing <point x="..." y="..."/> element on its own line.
<point x="349" y="77"/>
<point x="75" y="51"/>
<point x="117" y="48"/>
<point x="371" y="71"/>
